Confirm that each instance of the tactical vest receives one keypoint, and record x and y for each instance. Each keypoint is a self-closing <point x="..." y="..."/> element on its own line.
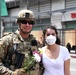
<point x="20" y="52"/>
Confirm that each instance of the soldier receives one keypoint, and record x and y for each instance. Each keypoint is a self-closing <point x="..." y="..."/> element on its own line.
<point x="16" y="48"/>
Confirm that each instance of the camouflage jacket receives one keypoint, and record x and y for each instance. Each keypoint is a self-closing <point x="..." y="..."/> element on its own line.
<point x="14" y="42"/>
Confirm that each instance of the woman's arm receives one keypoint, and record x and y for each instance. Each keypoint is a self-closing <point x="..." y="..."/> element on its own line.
<point x="67" y="67"/>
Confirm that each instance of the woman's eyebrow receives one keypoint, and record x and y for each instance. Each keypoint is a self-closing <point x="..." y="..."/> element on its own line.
<point x="50" y="34"/>
<point x="53" y="33"/>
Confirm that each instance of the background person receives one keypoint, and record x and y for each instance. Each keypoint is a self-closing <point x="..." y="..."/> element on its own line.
<point x="16" y="48"/>
<point x="55" y="58"/>
<point x="68" y="46"/>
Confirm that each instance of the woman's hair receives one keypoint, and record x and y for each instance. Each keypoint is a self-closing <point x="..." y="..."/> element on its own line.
<point x="54" y="28"/>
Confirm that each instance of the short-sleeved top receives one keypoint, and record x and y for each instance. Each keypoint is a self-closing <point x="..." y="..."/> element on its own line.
<point x="55" y="66"/>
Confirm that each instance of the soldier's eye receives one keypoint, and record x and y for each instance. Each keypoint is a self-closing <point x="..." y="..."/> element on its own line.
<point x="29" y="22"/>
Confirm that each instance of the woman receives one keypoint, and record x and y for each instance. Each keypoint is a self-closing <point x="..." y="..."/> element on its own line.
<point x="55" y="58"/>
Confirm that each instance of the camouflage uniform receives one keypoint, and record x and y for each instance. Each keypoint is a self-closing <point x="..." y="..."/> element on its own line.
<point x="15" y="41"/>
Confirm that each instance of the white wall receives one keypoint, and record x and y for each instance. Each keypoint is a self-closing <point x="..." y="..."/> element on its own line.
<point x="58" y="4"/>
<point x="56" y="18"/>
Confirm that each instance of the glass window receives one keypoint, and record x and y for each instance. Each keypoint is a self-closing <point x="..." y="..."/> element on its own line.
<point x="45" y="20"/>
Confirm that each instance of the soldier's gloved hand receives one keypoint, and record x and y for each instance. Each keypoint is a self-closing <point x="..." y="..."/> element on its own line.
<point x="19" y="72"/>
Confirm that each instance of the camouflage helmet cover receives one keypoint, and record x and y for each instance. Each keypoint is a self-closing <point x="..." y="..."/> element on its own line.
<point x="26" y="15"/>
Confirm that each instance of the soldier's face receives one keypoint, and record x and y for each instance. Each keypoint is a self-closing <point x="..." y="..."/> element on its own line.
<point x="26" y="26"/>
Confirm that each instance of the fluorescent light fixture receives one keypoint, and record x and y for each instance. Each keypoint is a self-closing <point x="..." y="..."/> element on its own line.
<point x="9" y="0"/>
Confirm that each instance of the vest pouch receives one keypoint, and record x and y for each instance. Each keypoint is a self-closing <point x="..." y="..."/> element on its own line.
<point x="19" y="57"/>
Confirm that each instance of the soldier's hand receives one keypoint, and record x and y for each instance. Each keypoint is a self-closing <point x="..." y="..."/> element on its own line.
<point x="19" y="72"/>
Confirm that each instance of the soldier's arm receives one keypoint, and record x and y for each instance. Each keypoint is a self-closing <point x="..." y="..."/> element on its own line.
<point x="4" y="42"/>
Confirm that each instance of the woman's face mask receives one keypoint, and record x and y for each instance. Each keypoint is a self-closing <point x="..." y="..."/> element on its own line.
<point x="51" y="40"/>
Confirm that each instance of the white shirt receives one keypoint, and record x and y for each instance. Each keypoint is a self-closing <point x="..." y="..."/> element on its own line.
<point x="55" y="66"/>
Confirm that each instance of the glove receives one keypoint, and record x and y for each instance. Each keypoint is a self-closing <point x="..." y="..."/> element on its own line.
<point x="19" y="72"/>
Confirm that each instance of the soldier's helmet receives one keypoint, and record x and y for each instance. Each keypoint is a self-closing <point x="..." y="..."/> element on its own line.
<point x="26" y="15"/>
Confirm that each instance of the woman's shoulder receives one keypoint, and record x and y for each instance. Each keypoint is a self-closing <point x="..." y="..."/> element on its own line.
<point x="63" y="49"/>
<point x="42" y="49"/>
<point x="65" y="52"/>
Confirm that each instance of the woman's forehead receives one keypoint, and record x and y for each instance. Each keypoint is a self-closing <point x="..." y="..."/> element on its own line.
<point x="50" y="31"/>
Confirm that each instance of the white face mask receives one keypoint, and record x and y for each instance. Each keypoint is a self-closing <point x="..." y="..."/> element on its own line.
<point x="51" y="40"/>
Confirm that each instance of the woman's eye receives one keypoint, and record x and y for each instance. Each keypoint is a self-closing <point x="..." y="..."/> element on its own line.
<point x="48" y="34"/>
<point x="53" y="34"/>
